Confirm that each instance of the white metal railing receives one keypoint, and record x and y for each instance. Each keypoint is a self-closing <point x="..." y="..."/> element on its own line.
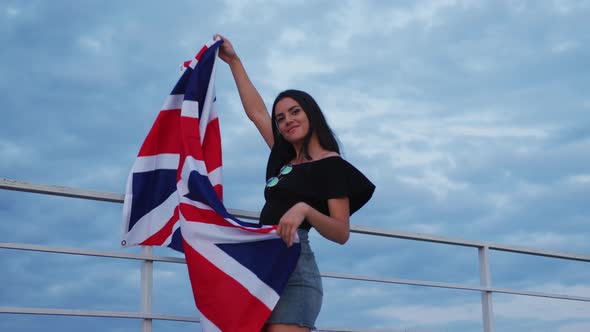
<point x="148" y="258"/>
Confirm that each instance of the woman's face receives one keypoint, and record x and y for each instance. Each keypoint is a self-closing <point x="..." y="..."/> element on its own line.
<point x="291" y="120"/>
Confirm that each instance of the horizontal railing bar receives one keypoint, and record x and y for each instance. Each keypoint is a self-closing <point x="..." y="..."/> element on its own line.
<point x="95" y="313"/>
<point x="95" y="253"/>
<point x="60" y="191"/>
<point x="89" y="194"/>
<point x="117" y="198"/>
<point x="133" y="315"/>
<point x="401" y="281"/>
<point x="244" y="214"/>
<point x="414" y="236"/>
<point x="453" y="286"/>
<point x="466" y="243"/>
<point x="110" y="254"/>
<point x="87" y="252"/>
<point x="543" y="253"/>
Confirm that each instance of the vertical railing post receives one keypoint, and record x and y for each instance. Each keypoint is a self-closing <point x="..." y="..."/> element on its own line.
<point x="486" y="296"/>
<point x="147" y="269"/>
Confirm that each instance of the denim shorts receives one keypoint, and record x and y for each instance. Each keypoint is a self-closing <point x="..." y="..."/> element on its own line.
<point x="301" y="300"/>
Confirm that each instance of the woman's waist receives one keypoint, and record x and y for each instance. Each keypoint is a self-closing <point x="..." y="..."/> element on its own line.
<point x="303" y="235"/>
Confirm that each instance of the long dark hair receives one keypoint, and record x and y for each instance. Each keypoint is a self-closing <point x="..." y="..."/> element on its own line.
<point x="282" y="150"/>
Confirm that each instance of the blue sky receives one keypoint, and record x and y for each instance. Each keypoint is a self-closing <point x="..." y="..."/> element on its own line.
<point x="471" y="117"/>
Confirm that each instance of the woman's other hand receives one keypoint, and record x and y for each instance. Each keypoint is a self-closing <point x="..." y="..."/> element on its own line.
<point x="290" y="222"/>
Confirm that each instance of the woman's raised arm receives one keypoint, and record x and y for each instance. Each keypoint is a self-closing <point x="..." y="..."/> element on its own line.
<point x="251" y="99"/>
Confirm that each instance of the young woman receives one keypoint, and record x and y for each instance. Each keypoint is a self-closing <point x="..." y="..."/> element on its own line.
<point x="308" y="185"/>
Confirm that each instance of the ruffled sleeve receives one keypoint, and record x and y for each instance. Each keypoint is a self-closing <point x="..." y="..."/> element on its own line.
<point x="335" y="177"/>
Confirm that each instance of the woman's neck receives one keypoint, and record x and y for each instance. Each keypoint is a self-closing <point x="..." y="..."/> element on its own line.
<point x="314" y="149"/>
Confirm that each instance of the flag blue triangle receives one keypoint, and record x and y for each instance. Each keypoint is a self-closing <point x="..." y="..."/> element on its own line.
<point x="270" y="260"/>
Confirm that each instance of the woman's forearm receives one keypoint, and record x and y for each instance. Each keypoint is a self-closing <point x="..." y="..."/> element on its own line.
<point x="336" y="228"/>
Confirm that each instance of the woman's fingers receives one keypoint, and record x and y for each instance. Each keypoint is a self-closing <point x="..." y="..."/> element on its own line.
<point x="292" y="236"/>
<point x="286" y="232"/>
<point x="281" y="231"/>
<point x="287" y="237"/>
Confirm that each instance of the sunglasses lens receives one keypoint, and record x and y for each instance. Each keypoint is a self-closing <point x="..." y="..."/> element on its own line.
<point x="286" y="169"/>
<point x="275" y="179"/>
<point x="272" y="181"/>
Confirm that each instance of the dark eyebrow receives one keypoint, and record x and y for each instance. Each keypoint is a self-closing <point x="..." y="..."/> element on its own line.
<point x="292" y="107"/>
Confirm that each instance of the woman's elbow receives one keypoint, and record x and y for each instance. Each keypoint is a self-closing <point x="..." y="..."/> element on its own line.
<point x="343" y="238"/>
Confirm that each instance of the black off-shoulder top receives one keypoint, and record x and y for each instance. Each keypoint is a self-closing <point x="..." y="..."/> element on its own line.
<point x="314" y="183"/>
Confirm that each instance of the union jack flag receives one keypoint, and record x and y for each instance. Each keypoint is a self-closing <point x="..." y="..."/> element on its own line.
<point x="174" y="198"/>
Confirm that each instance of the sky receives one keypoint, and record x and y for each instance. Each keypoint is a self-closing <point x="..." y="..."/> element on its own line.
<point x="471" y="117"/>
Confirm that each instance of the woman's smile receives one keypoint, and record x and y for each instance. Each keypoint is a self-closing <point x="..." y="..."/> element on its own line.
<point x="290" y="130"/>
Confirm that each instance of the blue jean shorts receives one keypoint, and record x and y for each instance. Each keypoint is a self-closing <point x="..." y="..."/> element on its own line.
<point x="301" y="300"/>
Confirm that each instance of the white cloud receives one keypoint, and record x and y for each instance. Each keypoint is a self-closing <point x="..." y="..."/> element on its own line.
<point x="548" y="310"/>
<point x="546" y="240"/>
<point x="427" y="14"/>
<point x="286" y="69"/>
<point x="101" y="176"/>
<point x="478" y="65"/>
<point x="256" y="11"/>
<point x="567" y="7"/>
<point x="101" y="40"/>
<point x="74" y="279"/>
<point x="490" y="124"/>
<point x="406" y="157"/>
<point x="292" y="37"/>
<point x="357" y="18"/>
<point x="420" y="143"/>
<point x="363" y="293"/>
<point x="429" y="315"/>
<point x="575" y="290"/>
<point x="575" y="327"/>
<point x="421" y="147"/>
<point x="579" y="179"/>
<point x="532" y="189"/>
<point x="438" y="184"/>
<point x="498" y="131"/>
<point x="12" y="11"/>
<point x="500" y="201"/>
<point x="168" y="275"/>
<point x="346" y="107"/>
<point x="426" y="228"/>
<point x="90" y="43"/>
<point x="564" y="46"/>
<point x="12" y="154"/>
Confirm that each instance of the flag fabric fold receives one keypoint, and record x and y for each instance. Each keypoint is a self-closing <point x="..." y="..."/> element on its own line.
<point x="174" y="198"/>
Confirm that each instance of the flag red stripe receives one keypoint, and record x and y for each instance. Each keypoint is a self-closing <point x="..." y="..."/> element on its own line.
<point x="194" y="214"/>
<point x="191" y="137"/>
<point x="160" y="237"/>
<point x="164" y="136"/>
<point x="203" y="50"/>
<point x="219" y="191"/>
<point x="212" y="145"/>
<point x="241" y="310"/>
